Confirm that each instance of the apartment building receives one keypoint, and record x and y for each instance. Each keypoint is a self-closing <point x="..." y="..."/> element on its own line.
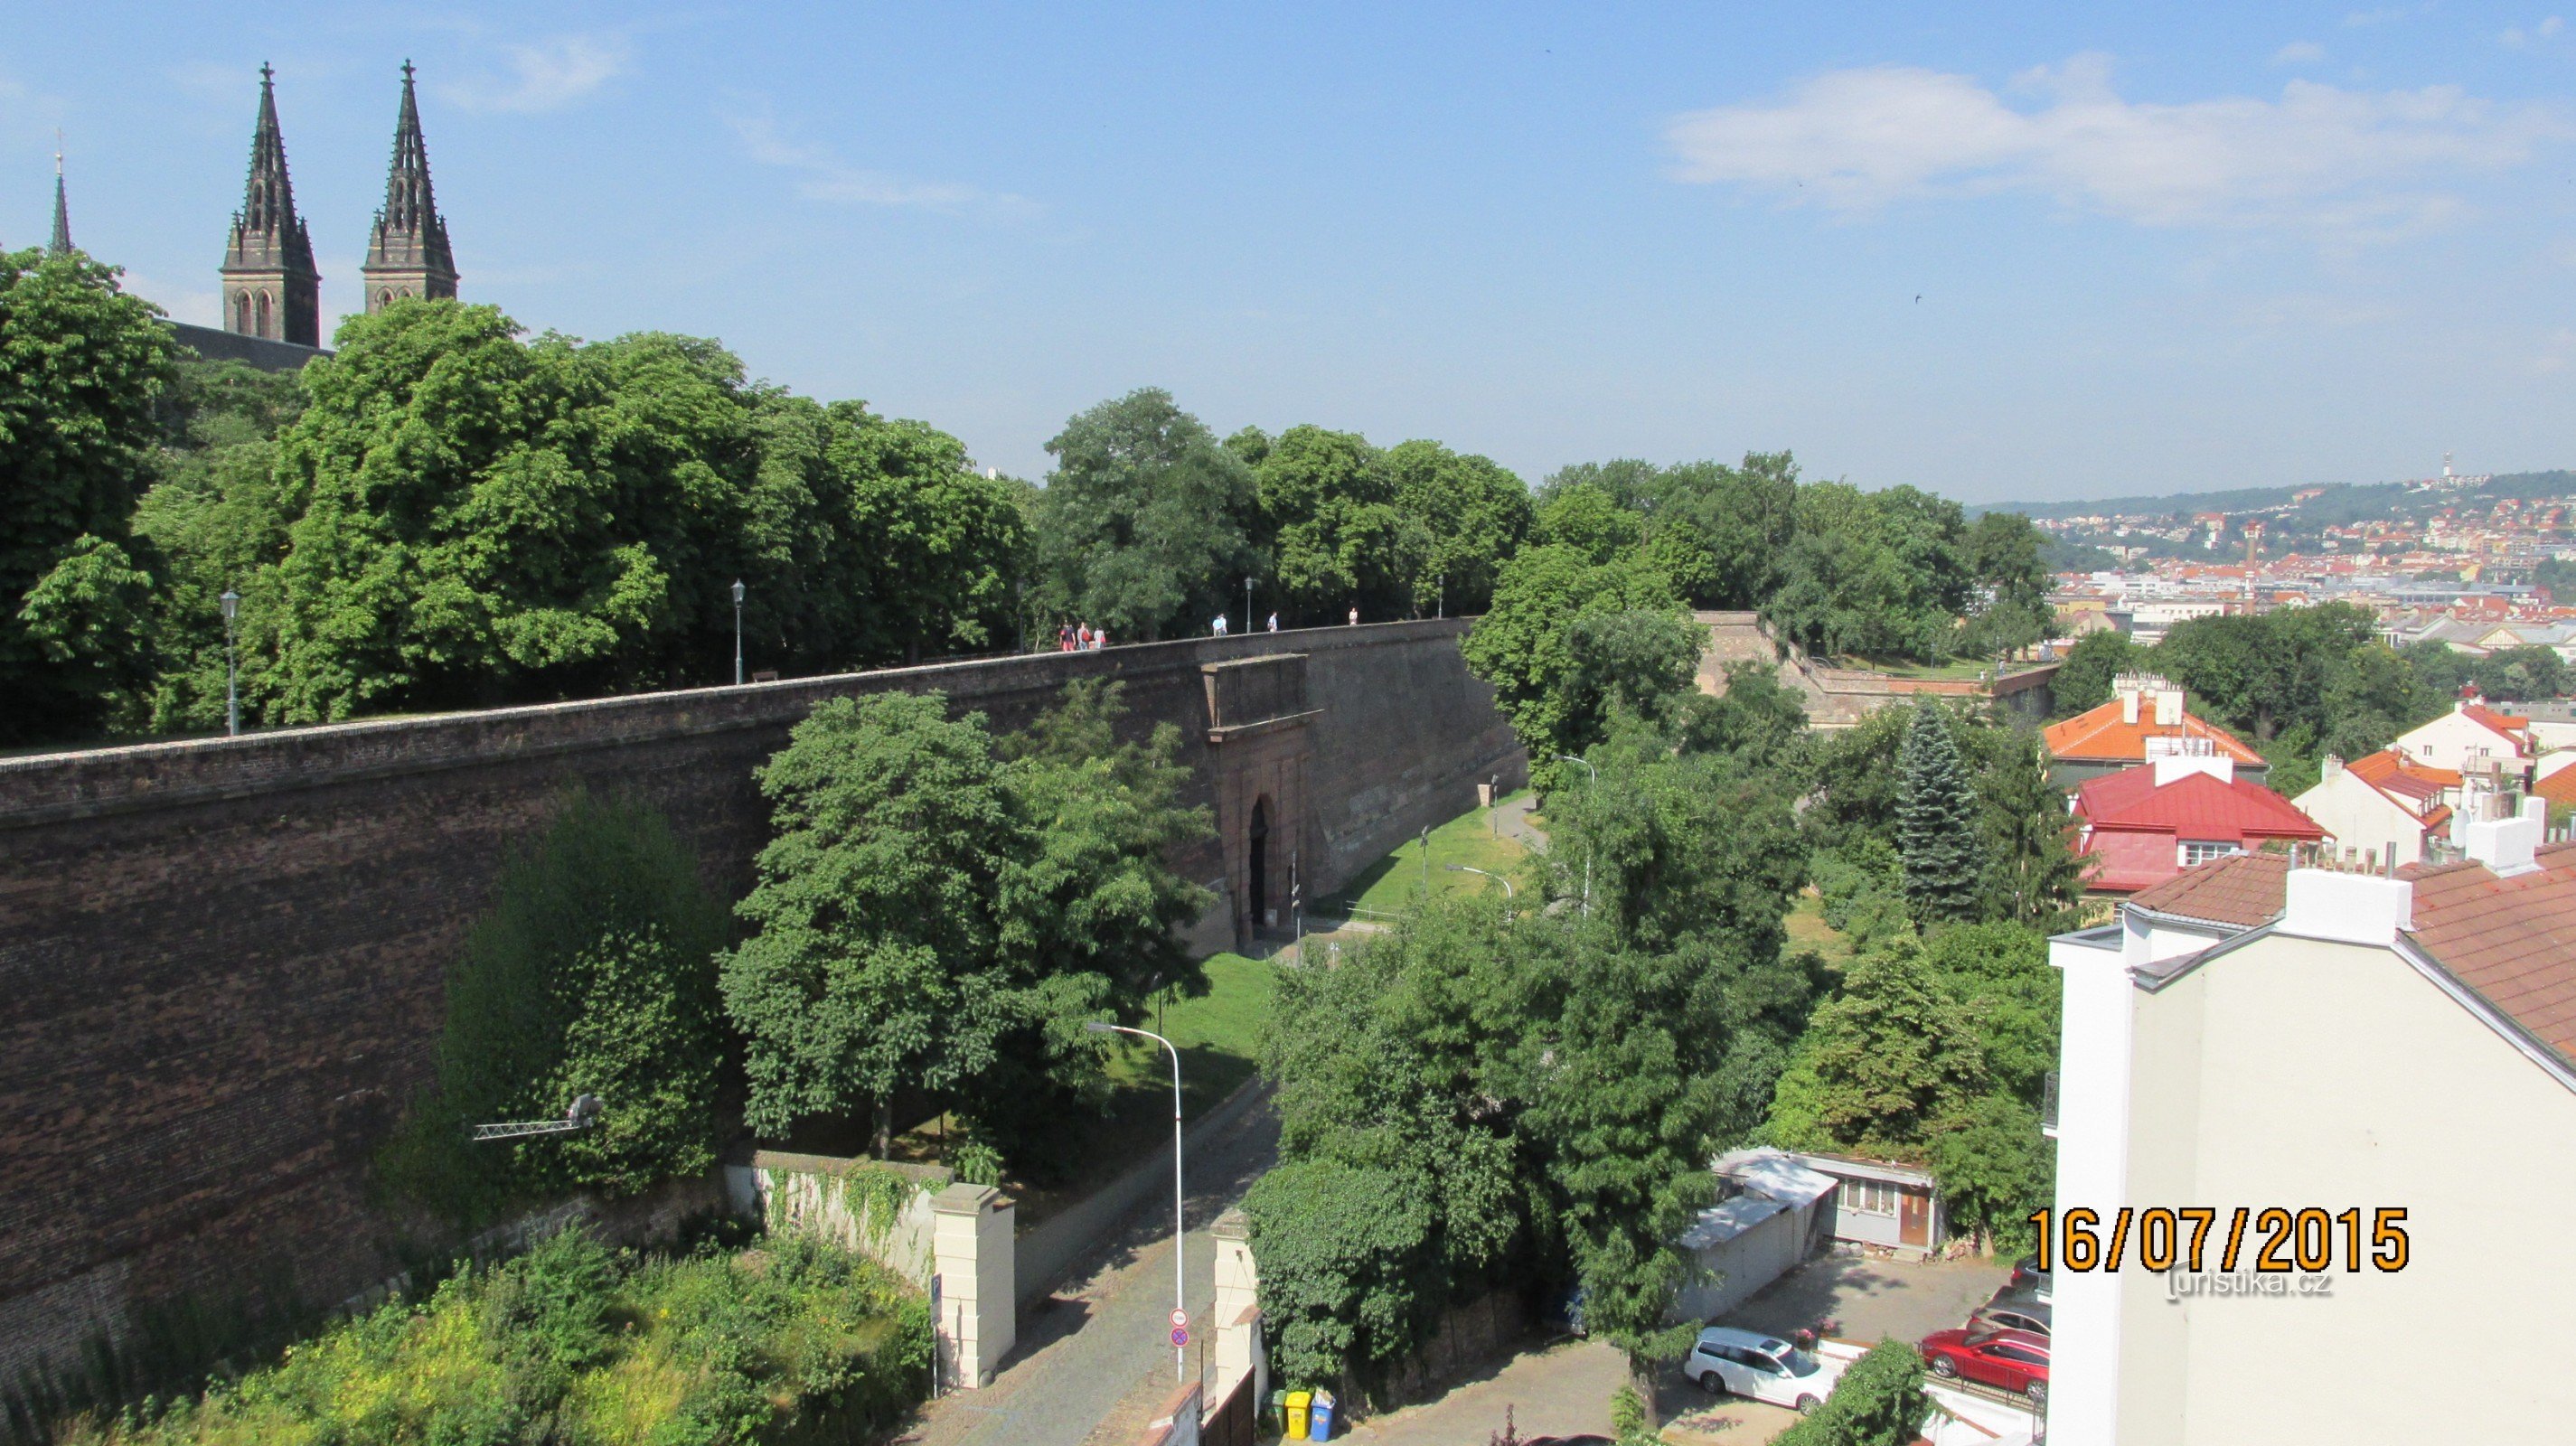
<point x="2258" y="1036"/>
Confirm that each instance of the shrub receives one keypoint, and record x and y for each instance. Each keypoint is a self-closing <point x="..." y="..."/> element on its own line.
<point x="572" y="1343"/>
<point x="1878" y="1402"/>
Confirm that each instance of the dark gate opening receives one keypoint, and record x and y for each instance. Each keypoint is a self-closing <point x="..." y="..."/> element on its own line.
<point x="1259" y="857"/>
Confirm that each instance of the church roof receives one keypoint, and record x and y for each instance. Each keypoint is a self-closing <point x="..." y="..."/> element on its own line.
<point x="267" y="235"/>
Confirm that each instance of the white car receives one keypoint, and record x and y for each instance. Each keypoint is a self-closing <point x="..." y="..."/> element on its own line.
<point x="1730" y="1362"/>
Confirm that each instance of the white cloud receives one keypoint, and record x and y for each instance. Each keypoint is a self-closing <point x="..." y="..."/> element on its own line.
<point x="2350" y="162"/>
<point x="829" y="178"/>
<point x="547" y="75"/>
<point x="2518" y="38"/>
<point x="2299" y="52"/>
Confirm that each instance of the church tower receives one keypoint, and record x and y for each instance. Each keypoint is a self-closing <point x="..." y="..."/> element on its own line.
<point x="408" y="254"/>
<point x="62" y="242"/>
<point x="271" y="288"/>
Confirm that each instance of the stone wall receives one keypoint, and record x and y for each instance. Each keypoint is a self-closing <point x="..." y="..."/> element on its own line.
<point x="222" y="961"/>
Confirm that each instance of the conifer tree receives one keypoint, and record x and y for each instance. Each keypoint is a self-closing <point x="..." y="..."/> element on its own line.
<point x="1936" y="824"/>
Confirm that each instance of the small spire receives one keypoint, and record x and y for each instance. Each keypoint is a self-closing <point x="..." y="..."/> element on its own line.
<point x="62" y="204"/>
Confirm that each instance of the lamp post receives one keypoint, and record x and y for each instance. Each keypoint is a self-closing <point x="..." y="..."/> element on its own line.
<point x="1180" y="1280"/>
<point x="737" y="632"/>
<point x="1587" y="848"/>
<point x="232" y="672"/>
<point x="1247" y="604"/>
<point x="1470" y="869"/>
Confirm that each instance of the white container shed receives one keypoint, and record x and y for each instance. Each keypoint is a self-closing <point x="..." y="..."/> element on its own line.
<point x="1771" y="1221"/>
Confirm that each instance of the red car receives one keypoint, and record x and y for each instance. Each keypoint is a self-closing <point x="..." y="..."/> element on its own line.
<point x="2014" y="1361"/>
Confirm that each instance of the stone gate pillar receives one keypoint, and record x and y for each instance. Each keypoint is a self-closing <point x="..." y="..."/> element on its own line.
<point x="1239" y="1347"/>
<point x="971" y="1256"/>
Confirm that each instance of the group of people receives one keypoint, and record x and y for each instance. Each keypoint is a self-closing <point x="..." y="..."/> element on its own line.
<point x="1083" y="637"/>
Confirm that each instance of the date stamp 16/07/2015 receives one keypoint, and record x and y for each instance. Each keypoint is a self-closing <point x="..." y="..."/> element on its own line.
<point x="2205" y="1240"/>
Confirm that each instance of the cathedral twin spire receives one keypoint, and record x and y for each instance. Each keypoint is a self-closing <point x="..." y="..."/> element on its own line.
<point x="271" y="286"/>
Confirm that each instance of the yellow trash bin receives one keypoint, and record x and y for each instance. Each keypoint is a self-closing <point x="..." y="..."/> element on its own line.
<point x="1298" y="1401"/>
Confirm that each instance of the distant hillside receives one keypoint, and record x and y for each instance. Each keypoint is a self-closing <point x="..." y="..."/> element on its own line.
<point x="2351" y="501"/>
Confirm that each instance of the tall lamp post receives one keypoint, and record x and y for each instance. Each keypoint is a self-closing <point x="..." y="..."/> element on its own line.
<point x="1587" y="848"/>
<point x="1247" y="605"/>
<point x="1180" y="1280"/>
<point x="232" y="672"/>
<point x="737" y="632"/>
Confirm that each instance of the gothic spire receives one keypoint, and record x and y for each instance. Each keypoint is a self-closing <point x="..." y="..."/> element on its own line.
<point x="62" y="206"/>
<point x="408" y="255"/>
<point x="271" y="287"/>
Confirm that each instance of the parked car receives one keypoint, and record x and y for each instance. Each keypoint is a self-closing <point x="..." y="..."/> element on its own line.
<point x="1731" y="1362"/>
<point x="2028" y="1276"/>
<point x="2014" y="1361"/>
<point x="2012" y="1310"/>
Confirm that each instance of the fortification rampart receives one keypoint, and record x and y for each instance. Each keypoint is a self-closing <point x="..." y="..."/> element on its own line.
<point x="222" y="961"/>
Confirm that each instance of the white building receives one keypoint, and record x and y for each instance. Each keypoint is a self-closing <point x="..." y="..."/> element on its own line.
<point x="2472" y="737"/>
<point x="2255" y="1036"/>
<point x="2381" y="807"/>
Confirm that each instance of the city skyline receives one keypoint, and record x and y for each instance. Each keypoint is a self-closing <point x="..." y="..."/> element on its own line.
<point x="2297" y="245"/>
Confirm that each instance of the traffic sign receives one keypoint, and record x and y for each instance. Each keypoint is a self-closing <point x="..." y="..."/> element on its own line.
<point x="1180" y="1318"/>
<point x="1180" y="1335"/>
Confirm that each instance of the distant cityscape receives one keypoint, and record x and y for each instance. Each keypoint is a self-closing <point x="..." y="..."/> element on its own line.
<point x="2464" y="559"/>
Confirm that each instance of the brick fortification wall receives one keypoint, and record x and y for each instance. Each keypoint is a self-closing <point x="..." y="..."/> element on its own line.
<point x="222" y="961"/>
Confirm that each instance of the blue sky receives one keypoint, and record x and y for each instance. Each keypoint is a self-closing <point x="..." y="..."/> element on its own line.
<point x="2259" y="244"/>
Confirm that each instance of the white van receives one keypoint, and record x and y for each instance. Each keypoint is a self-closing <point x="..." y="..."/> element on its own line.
<point x="1730" y="1362"/>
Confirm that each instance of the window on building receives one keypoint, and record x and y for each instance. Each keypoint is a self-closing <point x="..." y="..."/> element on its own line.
<point x="2201" y="851"/>
<point x="1869" y="1197"/>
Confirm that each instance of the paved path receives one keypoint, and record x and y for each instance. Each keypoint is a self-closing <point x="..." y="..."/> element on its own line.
<point x="1094" y="1361"/>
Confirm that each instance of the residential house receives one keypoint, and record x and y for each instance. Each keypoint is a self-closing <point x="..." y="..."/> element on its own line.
<point x="1881" y="1202"/>
<point x="2473" y="737"/>
<point x="2253" y="1035"/>
<point x="2144" y="825"/>
<point x="2383" y="806"/>
<point x="2144" y="718"/>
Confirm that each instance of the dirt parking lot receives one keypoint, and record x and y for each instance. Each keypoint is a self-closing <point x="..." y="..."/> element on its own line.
<point x="1867" y="1299"/>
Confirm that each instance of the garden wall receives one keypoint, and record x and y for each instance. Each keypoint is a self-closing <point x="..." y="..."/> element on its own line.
<point x="222" y="960"/>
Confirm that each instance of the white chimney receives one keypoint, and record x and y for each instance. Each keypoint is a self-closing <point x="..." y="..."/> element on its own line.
<point x="2330" y="770"/>
<point x="2171" y="766"/>
<point x="2347" y="908"/>
<point x="2169" y="706"/>
<point x="2128" y="705"/>
<point x="2507" y="845"/>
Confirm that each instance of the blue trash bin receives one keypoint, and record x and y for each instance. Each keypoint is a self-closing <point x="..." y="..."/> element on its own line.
<point x="1319" y="1420"/>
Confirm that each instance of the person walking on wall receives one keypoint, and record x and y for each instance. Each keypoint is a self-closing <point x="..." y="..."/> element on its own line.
<point x="1099" y="639"/>
<point x="1064" y="637"/>
<point x="1220" y="625"/>
<point x="1355" y="617"/>
<point x="1274" y="622"/>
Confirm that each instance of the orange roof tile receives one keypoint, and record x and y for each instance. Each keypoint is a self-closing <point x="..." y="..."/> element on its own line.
<point x="2559" y="787"/>
<point x="2513" y="940"/>
<point x="2098" y="736"/>
<point x="2241" y="889"/>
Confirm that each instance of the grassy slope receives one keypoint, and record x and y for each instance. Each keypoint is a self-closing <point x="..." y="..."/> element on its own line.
<point x="1393" y="885"/>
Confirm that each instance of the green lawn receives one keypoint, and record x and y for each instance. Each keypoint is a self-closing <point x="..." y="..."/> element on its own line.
<point x="1393" y="885"/>
<point x="1219" y="1034"/>
<point x="1808" y="929"/>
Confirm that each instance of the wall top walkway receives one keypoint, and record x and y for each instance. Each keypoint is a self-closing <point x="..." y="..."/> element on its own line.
<point x="52" y="787"/>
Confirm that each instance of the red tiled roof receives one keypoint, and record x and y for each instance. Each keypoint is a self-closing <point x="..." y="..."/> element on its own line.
<point x="2194" y="806"/>
<point x="2559" y="787"/>
<point x="2500" y="722"/>
<point x="2242" y="889"/>
<point x="2098" y="736"/>
<point x="2390" y="764"/>
<point x="2513" y="940"/>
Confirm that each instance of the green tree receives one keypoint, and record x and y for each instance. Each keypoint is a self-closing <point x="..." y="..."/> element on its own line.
<point x="1879" y="1401"/>
<point x="940" y="910"/>
<point x="1526" y="646"/>
<point x="82" y="365"/>
<point x="1475" y="515"/>
<point x="1146" y="522"/>
<point x="1874" y="574"/>
<point x="1995" y="1169"/>
<point x="594" y="973"/>
<point x="1937" y="832"/>
<point x="2004" y="555"/>
<point x="1999" y="973"/>
<point x="2032" y="872"/>
<point x="1880" y="1062"/>
<point x="1337" y="533"/>
<point x="2083" y="682"/>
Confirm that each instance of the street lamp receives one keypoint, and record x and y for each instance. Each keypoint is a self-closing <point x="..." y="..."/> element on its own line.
<point x="737" y="632"/>
<point x="1180" y="1281"/>
<point x="1497" y="878"/>
<point x="1587" y="848"/>
<point x="1247" y="605"/>
<point x="232" y="672"/>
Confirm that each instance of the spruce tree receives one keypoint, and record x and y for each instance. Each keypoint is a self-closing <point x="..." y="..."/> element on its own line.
<point x="1936" y="824"/>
